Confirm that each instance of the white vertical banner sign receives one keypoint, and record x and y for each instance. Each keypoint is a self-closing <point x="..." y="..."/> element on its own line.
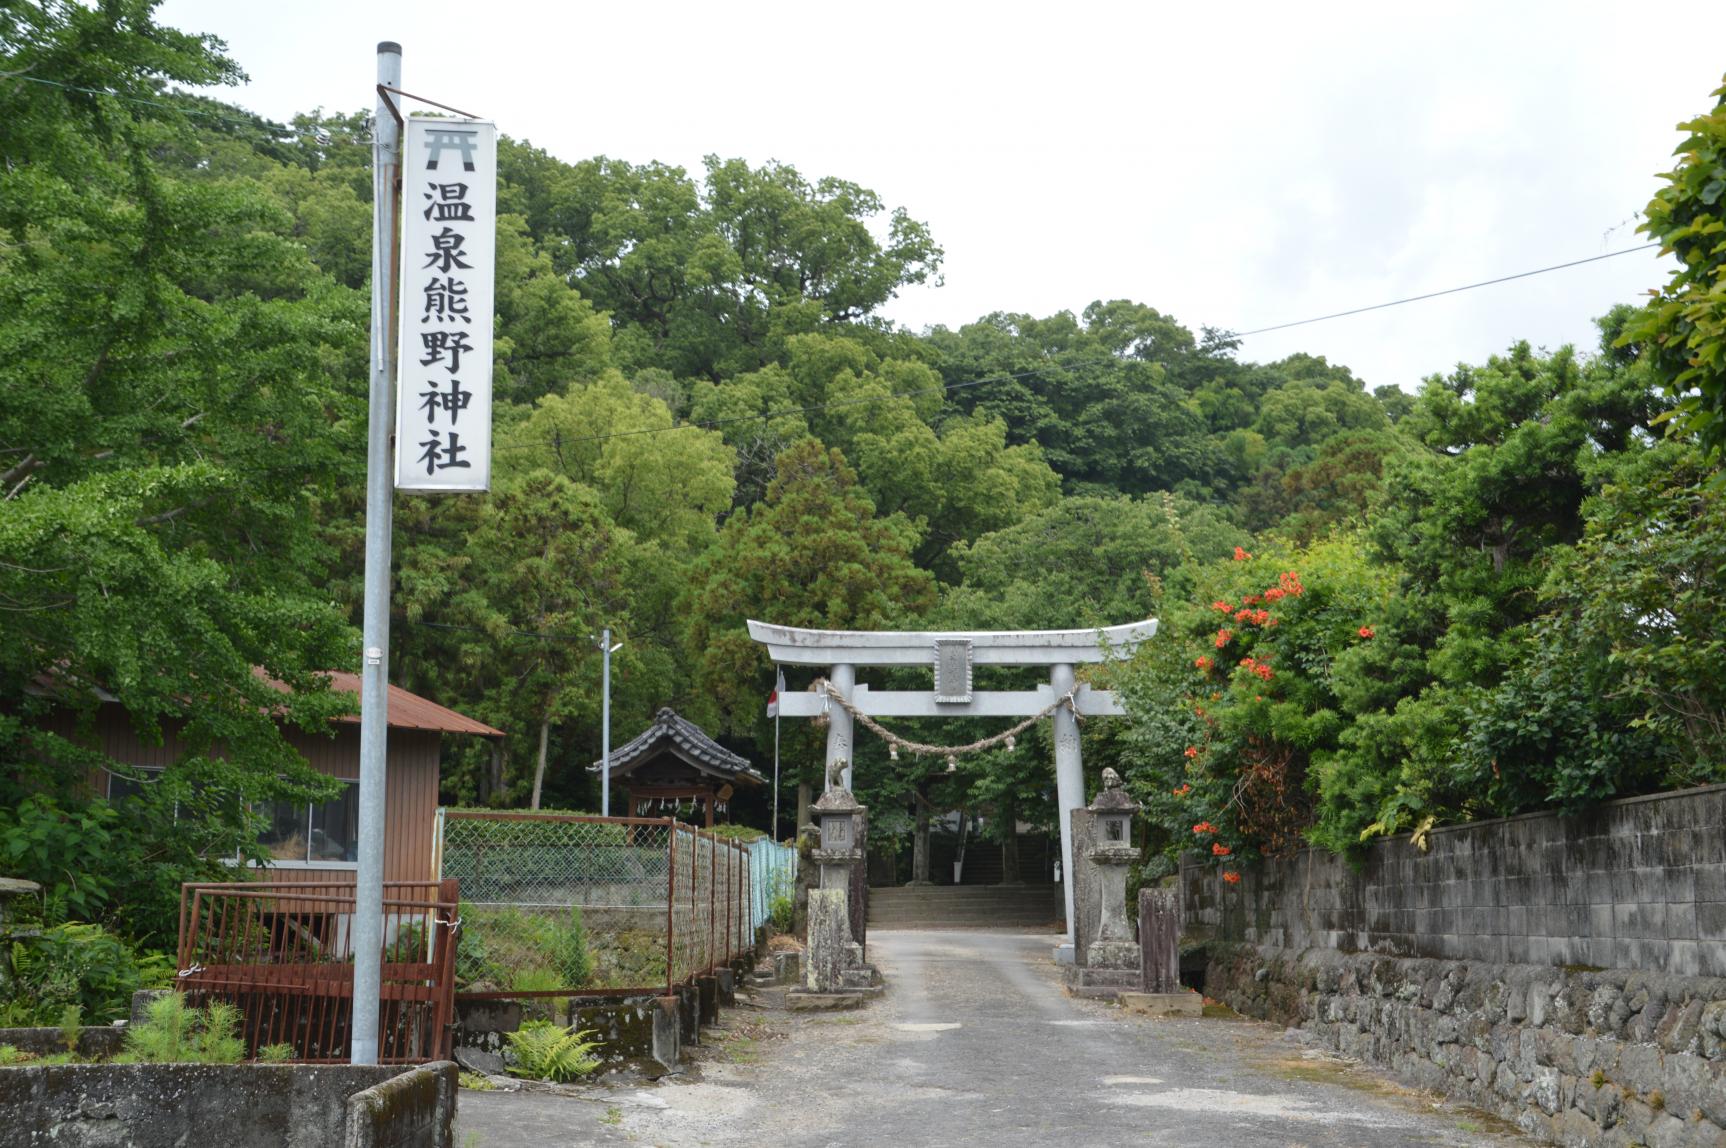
<point x="448" y="283"/>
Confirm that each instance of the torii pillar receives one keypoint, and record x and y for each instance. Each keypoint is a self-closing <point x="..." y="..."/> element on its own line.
<point x="952" y="655"/>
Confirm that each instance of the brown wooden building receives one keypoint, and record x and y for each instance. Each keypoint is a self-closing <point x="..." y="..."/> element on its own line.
<point x="319" y="842"/>
<point x="673" y="764"/>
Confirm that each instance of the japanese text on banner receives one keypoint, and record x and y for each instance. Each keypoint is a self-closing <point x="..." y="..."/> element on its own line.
<point x="448" y="266"/>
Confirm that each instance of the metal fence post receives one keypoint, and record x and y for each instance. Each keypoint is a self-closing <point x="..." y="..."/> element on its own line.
<point x="670" y="903"/>
<point x="712" y="900"/>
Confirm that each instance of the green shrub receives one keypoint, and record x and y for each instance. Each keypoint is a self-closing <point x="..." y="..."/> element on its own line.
<point x="472" y="955"/>
<point x="174" y="1032"/>
<point x="276" y="1053"/>
<point x="409" y="943"/>
<point x="780" y="913"/>
<point x="525" y="950"/>
<point x="569" y="954"/>
<point x="70" y="965"/>
<point x="71" y="1026"/>
<point x="545" y="1051"/>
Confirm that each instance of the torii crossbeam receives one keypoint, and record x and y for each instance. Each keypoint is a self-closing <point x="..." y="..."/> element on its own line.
<point x="951" y="655"/>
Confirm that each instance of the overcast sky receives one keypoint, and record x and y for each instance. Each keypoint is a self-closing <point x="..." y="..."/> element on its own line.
<point x="1233" y="165"/>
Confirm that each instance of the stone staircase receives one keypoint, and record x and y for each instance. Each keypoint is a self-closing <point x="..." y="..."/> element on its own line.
<point x="1030" y="908"/>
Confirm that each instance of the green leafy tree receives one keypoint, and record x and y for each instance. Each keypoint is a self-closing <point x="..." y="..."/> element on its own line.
<point x="1098" y="395"/>
<point x="708" y="278"/>
<point x="812" y="553"/>
<point x="1682" y="330"/>
<point x="546" y="573"/>
<point x="181" y="384"/>
<point x="1616" y="690"/>
<point x="1239" y="704"/>
<point x="1085" y="561"/>
<point x="605" y="435"/>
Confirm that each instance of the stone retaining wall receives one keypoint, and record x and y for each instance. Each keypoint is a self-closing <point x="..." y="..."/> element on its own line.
<point x="1577" y="1057"/>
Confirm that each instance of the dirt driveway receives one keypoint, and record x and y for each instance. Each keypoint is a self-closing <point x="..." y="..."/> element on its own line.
<point x="975" y="1043"/>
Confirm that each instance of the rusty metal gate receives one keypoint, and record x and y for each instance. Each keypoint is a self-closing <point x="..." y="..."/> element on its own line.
<point x="282" y="953"/>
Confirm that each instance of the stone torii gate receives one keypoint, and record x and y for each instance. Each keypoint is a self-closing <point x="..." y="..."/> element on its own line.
<point x="952" y="655"/>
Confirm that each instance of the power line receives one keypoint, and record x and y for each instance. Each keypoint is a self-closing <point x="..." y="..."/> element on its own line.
<point x="709" y="424"/>
<point x="208" y="113"/>
<point x="1446" y="291"/>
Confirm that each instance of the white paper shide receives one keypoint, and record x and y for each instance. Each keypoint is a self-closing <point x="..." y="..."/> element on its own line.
<point x="449" y="267"/>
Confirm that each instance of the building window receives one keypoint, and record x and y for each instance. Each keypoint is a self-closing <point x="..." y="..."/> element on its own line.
<point x="314" y="833"/>
<point x="120" y="788"/>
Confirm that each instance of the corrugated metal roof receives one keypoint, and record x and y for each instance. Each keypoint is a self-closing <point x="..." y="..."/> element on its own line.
<point x="407" y="711"/>
<point x="410" y="711"/>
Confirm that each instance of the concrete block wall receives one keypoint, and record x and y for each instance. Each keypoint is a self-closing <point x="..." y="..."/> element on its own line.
<point x="237" y="1105"/>
<point x="415" y="1109"/>
<point x="1635" y="884"/>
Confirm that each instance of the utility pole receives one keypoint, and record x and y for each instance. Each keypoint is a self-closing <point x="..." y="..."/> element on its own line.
<point x="368" y="929"/>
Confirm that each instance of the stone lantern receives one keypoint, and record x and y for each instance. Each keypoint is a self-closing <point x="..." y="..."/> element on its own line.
<point x="1111" y="855"/>
<point x="1109" y="958"/>
<point x="838" y="815"/>
<point x="832" y="945"/>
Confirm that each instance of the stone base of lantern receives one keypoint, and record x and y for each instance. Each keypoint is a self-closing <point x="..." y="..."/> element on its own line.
<point x="833" y="965"/>
<point x="1101" y="984"/>
<point x="1113" y="955"/>
<point x="1110" y="967"/>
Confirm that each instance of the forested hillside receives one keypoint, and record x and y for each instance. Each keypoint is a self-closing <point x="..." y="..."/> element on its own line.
<point x="1381" y="609"/>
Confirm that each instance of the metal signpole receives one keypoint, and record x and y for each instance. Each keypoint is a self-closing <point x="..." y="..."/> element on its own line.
<point x="368" y="927"/>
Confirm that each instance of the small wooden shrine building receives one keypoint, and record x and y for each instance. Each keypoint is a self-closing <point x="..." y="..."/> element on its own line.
<point x="673" y="764"/>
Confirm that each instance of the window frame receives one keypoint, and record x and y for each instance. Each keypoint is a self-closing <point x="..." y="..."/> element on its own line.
<point x="311" y="807"/>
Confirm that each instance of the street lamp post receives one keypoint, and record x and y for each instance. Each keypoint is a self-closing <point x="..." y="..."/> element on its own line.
<point x="605" y="649"/>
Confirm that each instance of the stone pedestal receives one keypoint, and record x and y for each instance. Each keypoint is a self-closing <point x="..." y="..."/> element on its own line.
<point x="1159" y="939"/>
<point x="828" y="941"/>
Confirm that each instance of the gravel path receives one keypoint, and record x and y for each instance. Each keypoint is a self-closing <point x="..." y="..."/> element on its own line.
<point x="976" y="1043"/>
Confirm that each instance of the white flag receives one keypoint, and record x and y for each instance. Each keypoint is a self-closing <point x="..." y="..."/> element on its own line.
<point x="773" y="698"/>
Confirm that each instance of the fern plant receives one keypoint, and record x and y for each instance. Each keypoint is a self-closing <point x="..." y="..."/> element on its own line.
<point x="545" y="1051"/>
